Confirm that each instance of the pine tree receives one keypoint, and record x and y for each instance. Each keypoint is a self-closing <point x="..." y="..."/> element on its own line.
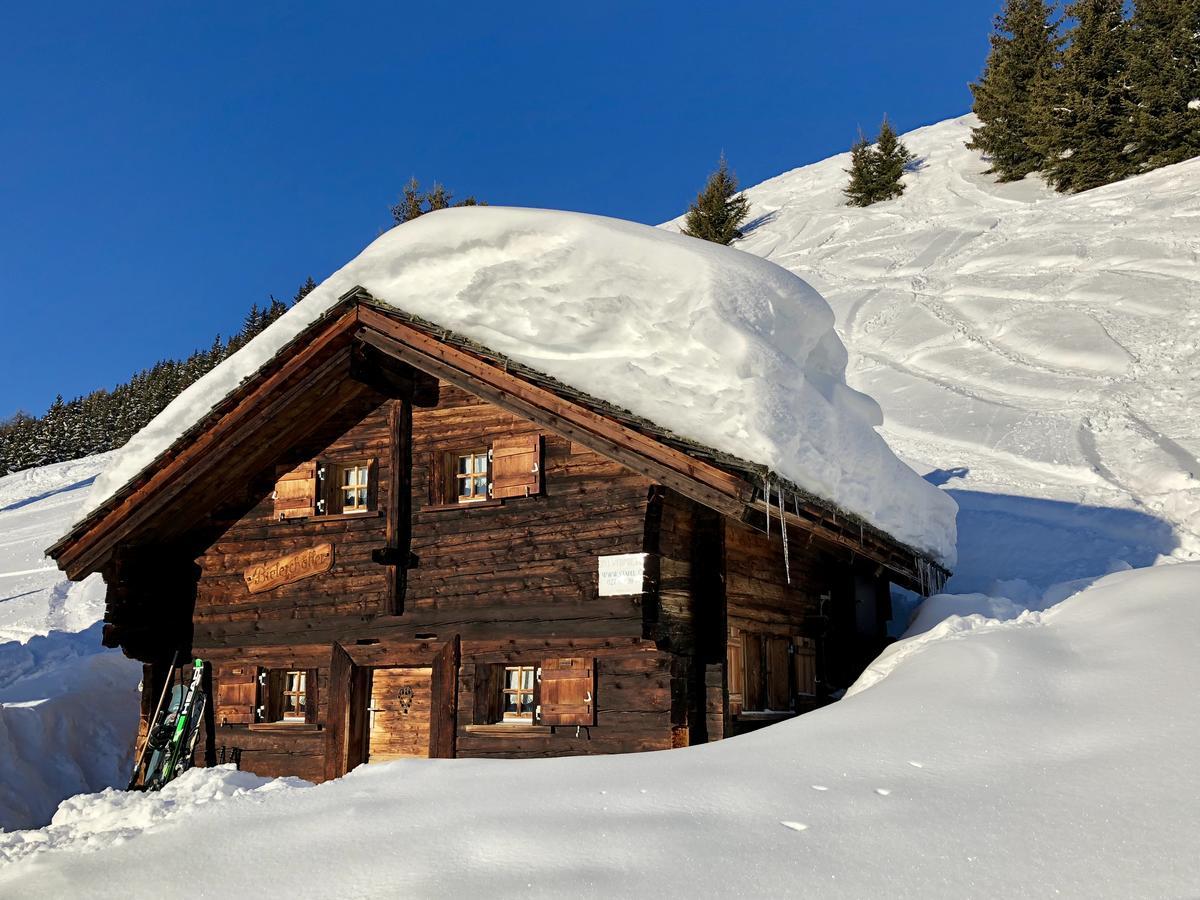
<point x="1164" y="71"/>
<point x="411" y="203"/>
<point x="438" y="197"/>
<point x="1026" y="50"/>
<point x="1087" y="131"/>
<point x="876" y="171"/>
<point x="861" y="189"/>
<point x="305" y="289"/>
<point x="414" y="203"/>
<point x="891" y="159"/>
<point x="719" y="209"/>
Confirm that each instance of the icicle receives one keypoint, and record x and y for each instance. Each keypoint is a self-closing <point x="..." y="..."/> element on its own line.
<point x="767" y="491"/>
<point x="787" y="568"/>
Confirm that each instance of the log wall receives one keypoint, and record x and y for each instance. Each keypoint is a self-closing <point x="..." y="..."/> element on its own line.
<point x="516" y="579"/>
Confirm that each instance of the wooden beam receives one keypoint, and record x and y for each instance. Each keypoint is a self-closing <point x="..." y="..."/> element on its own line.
<point x="398" y="530"/>
<point x="392" y="378"/>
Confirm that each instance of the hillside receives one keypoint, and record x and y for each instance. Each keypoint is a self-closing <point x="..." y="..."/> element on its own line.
<point x="1038" y="350"/>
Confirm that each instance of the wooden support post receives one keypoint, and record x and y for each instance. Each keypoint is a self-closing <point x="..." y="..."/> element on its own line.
<point x="399" y="503"/>
<point x="443" y="725"/>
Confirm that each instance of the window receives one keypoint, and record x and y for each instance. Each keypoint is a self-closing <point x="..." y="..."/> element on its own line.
<point x="766" y="671"/>
<point x="323" y="488"/>
<point x="286" y="695"/>
<point x="510" y="468"/>
<point x="517" y="702"/>
<point x="553" y="692"/>
<point x="470" y="476"/>
<point x="353" y="487"/>
<point x="295" y="696"/>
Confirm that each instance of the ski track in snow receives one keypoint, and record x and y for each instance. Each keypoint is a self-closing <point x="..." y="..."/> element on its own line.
<point x="1048" y="345"/>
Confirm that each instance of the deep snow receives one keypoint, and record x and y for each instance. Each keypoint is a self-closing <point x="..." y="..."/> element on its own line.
<point x="1038" y="352"/>
<point x="1053" y="755"/>
<point x="1036" y="739"/>
<point x="67" y="706"/>
<point x="713" y="344"/>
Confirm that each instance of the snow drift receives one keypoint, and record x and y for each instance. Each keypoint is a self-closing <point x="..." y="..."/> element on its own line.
<point x="68" y="707"/>
<point x="1052" y="755"/>
<point x="711" y="343"/>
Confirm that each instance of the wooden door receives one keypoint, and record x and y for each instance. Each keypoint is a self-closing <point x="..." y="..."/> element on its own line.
<point x="399" y="713"/>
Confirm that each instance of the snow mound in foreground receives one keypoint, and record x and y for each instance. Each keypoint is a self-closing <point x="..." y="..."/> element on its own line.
<point x="1051" y="755"/>
<point x="714" y="344"/>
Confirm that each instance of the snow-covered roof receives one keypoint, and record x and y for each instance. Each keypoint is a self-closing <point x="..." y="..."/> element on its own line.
<point x="709" y="342"/>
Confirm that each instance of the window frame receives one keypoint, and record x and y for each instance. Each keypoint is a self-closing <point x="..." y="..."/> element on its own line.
<point x="455" y="478"/>
<point x="270" y="707"/>
<point x="524" y="713"/>
<point x="301" y="695"/>
<point x="331" y="492"/>
<point x="341" y="488"/>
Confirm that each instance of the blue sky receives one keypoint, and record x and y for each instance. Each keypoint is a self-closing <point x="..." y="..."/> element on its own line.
<point x="163" y="167"/>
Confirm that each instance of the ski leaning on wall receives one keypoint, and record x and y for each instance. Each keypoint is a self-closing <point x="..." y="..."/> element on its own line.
<point x="171" y="737"/>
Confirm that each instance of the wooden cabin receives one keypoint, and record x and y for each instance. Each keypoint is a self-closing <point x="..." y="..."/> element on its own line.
<point x="392" y="542"/>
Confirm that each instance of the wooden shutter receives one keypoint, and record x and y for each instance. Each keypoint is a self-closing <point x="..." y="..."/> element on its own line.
<point x="779" y="673"/>
<point x="296" y="492"/>
<point x="373" y="484"/>
<point x="312" y="697"/>
<point x="804" y="660"/>
<point x="327" y="492"/>
<point x="754" y="695"/>
<point x="489" y="690"/>
<point x="236" y="691"/>
<point x="271" y="694"/>
<point x="517" y="466"/>
<point x="567" y="691"/>
<point x="736" y="672"/>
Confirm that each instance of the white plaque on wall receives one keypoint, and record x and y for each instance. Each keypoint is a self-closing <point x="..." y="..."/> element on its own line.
<point x="621" y="574"/>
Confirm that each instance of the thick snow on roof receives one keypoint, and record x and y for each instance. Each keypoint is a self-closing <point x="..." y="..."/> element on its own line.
<point x="712" y="343"/>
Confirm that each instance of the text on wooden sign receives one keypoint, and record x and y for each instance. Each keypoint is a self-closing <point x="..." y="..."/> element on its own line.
<point x="286" y="569"/>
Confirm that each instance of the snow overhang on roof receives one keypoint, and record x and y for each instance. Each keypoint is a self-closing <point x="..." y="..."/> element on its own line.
<point x="711" y="345"/>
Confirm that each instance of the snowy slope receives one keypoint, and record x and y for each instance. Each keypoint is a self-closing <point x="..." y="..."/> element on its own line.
<point x="1053" y="755"/>
<point x="1038" y="354"/>
<point x="67" y="706"/>
<point x="1040" y="351"/>
<point x="713" y="344"/>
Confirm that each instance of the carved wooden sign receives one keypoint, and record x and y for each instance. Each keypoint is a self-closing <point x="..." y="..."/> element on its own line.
<point x="286" y="569"/>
